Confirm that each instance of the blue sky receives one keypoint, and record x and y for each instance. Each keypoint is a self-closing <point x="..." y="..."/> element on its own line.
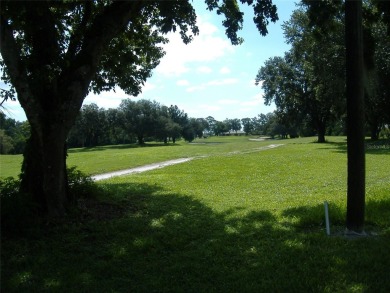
<point x="208" y="77"/>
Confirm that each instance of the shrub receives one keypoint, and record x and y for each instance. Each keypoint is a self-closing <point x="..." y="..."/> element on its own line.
<point x="80" y="184"/>
<point x="19" y="213"/>
<point x="17" y="208"/>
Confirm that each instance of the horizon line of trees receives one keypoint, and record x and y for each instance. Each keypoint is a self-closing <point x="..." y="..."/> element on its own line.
<point x="144" y="120"/>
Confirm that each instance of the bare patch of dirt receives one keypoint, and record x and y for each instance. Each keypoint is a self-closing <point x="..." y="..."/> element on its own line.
<point x="140" y="169"/>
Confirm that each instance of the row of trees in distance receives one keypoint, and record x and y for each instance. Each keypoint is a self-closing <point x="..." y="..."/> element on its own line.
<point x="145" y="120"/>
<point x="13" y="135"/>
<point x="133" y="121"/>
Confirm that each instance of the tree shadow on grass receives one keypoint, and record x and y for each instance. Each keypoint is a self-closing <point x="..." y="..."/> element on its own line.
<point x="166" y="242"/>
<point x="312" y="218"/>
<point x="377" y="147"/>
<point x="339" y="147"/>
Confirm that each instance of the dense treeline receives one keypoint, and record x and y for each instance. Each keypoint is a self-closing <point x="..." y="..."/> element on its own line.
<point x="307" y="85"/>
<point x="13" y="135"/>
<point x="133" y="122"/>
<point x="144" y="120"/>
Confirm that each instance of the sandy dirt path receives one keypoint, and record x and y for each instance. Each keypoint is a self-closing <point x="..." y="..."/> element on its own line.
<point x="140" y="169"/>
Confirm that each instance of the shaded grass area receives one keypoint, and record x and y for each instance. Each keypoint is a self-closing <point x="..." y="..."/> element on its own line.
<point x="174" y="243"/>
<point x="231" y="222"/>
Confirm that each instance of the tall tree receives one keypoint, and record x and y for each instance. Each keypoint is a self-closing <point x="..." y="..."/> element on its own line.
<point x="220" y="127"/>
<point x="211" y="124"/>
<point x="377" y="63"/>
<point x="179" y="119"/>
<point x="141" y="118"/>
<point x="235" y="124"/>
<point x="114" y="126"/>
<point x="93" y="124"/>
<point x="247" y="125"/>
<point x="320" y="11"/>
<point x="355" y="116"/>
<point x="308" y="83"/>
<point x="54" y="52"/>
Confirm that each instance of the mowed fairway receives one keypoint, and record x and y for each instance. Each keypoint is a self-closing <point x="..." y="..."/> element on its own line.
<point x="104" y="159"/>
<point x="237" y="218"/>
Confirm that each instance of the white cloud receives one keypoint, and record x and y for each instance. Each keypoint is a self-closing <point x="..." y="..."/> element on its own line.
<point x="228" y="102"/>
<point x="107" y="100"/>
<point x="112" y="99"/>
<point x="224" y="70"/>
<point x="208" y="46"/>
<point x="216" y="82"/>
<point x="183" y="82"/>
<point x="148" y="86"/>
<point x="196" y="88"/>
<point x="206" y="107"/>
<point x="223" y="81"/>
<point x="250" y="103"/>
<point x="204" y="69"/>
<point x="255" y="101"/>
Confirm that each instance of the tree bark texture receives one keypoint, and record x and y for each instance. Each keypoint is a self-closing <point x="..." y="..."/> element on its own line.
<point x="355" y="116"/>
<point x="44" y="166"/>
<point x="321" y="128"/>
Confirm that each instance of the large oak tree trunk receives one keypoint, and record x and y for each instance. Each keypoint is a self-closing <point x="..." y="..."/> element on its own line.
<point x="355" y="116"/>
<point x="54" y="171"/>
<point x="44" y="168"/>
<point x="32" y="175"/>
<point x="374" y="129"/>
<point x="321" y="128"/>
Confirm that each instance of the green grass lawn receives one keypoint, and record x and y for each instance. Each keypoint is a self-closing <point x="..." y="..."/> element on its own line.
<point x="237" y="220"/>
<point x="111" y="158"/>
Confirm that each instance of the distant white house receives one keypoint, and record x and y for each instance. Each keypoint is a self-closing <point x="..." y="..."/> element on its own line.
<point x="238" y="133"/>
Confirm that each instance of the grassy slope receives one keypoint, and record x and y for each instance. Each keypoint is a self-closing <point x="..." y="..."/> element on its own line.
<point x="229" y="222"/>
<point x="111" y="158"/>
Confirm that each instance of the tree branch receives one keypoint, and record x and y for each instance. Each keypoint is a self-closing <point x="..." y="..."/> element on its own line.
<point x="75" y="39"/>
<point x="11" y="53"/>
<point x="105" y="26"/>
<point x="41" y="30"/>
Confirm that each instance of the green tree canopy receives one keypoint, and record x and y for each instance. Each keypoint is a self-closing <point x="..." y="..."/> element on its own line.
<point x="309" y="82"/>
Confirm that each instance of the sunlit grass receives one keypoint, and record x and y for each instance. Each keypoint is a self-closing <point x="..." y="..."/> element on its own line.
<point x="111" y="158"/>
<point x="10" y="165"/>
